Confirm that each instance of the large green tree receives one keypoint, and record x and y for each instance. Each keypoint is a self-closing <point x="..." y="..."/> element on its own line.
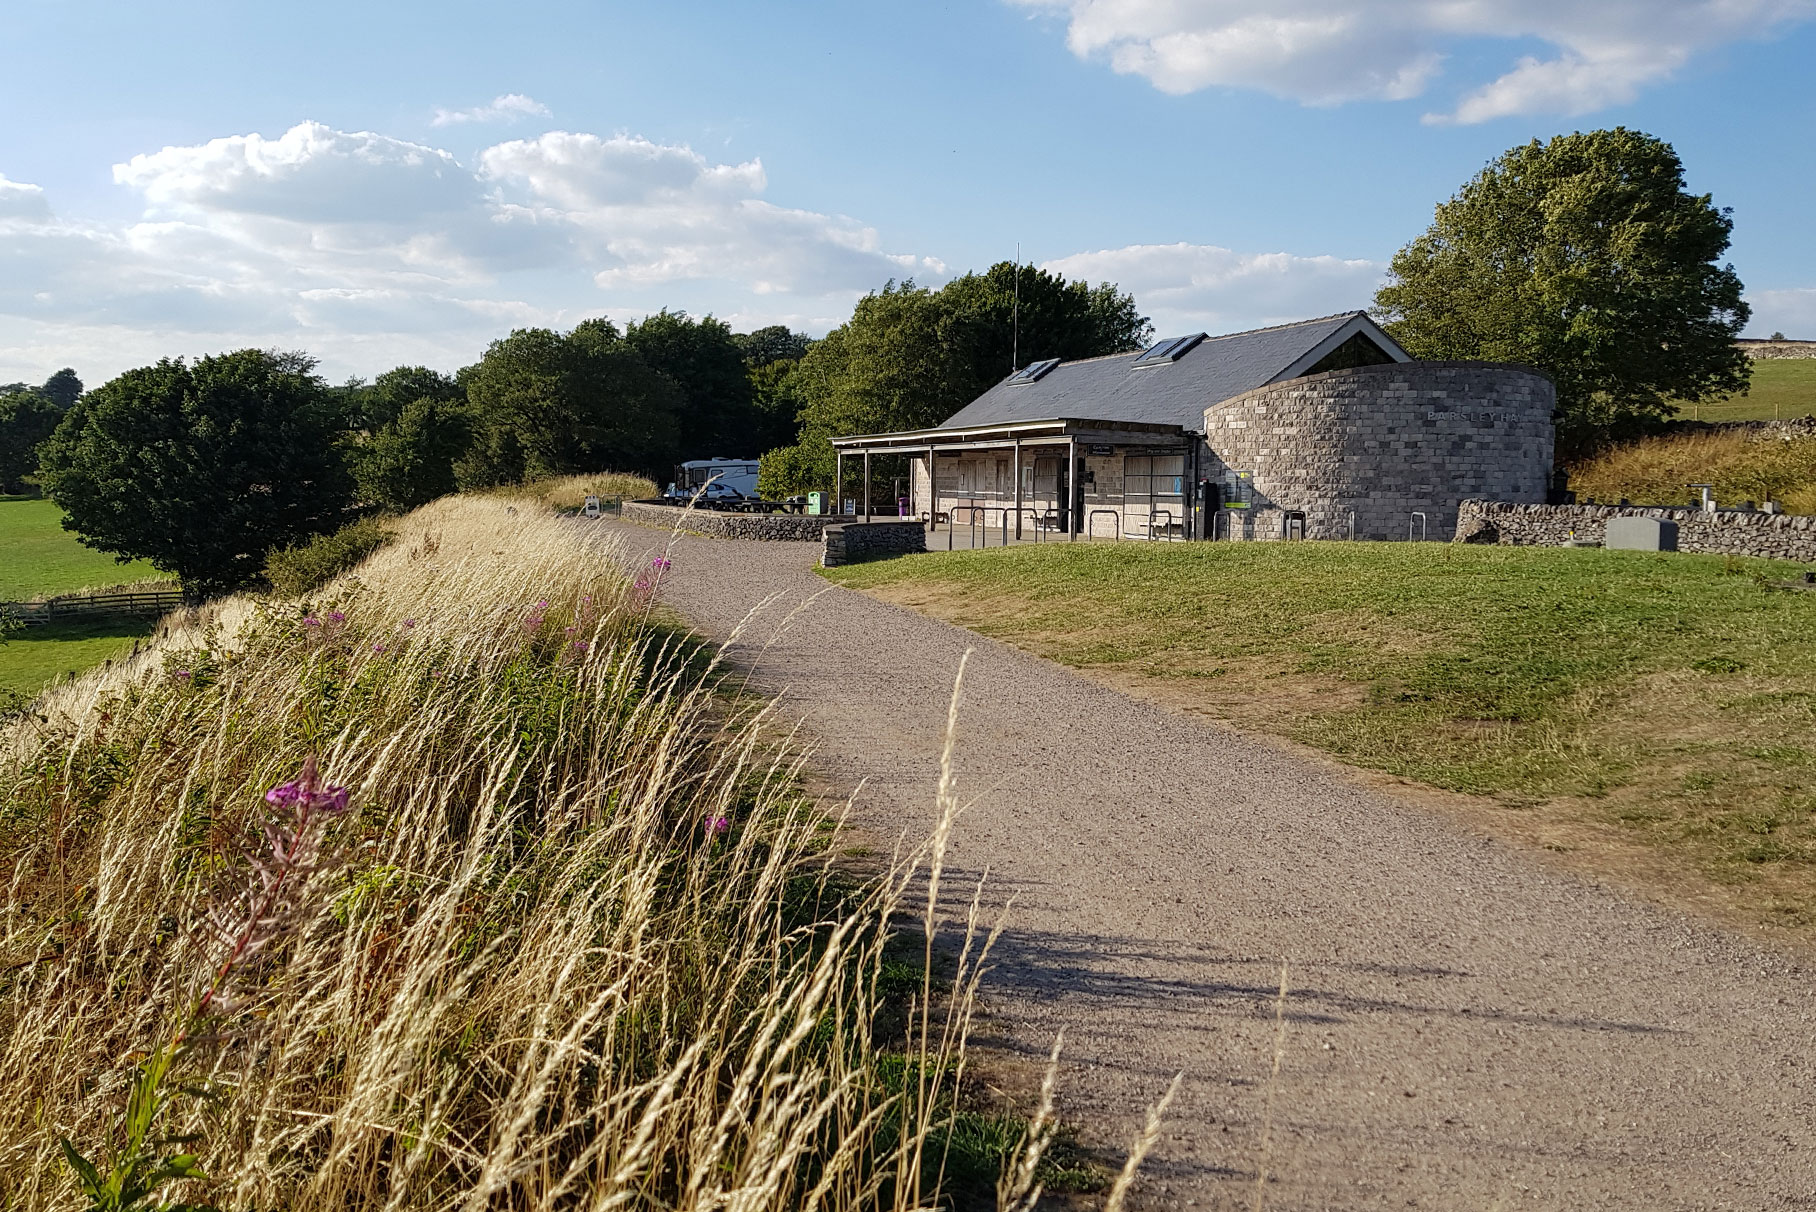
<point x="201" y="469"/>
<point x="706" y="360"/>
<point x="910" y="357"/>
<point x="549" y="403"/>
<point x="1587" y="258"/>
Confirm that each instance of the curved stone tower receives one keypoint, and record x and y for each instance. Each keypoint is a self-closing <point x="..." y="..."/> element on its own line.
<point x="1371" y="446"/>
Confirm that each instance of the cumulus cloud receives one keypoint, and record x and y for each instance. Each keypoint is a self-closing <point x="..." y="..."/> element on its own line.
<point x="1325" y="52"/>
<point x="506" y="107"/>
<point x="330" y="239"/>
<point x="1202" y="287"/>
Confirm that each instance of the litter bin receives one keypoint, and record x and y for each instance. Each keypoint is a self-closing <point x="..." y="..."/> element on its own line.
<point x="816" y="502"/>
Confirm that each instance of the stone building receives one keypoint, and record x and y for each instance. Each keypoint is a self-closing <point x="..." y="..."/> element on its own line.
<point x="1321" y="429"/>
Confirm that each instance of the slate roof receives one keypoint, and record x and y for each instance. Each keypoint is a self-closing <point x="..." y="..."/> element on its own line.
<point x="1173" y="394"/>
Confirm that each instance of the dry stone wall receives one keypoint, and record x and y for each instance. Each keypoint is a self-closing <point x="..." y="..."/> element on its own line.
<point x="1380" y="443"/>
<point x="1724" y="532"/>
<point x="1778" y="349"/>
<point x="850" y="542"/>
<point x="764" y="527"/>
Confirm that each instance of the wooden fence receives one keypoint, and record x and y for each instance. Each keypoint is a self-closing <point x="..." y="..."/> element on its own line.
<point x="142" y="604"/>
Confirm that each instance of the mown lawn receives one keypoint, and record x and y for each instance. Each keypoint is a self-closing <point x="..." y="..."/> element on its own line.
<point x="1782" y="388"/>
<point x="38" y="556"/>
<point x="1620" y="703"/>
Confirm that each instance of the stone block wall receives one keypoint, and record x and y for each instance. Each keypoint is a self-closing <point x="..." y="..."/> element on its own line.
<point x="1778" y="349"/>
<point x="764" y="527"/>
<point x="850" y="542"/>
<point x="1725" y="532"/>
<point x="1380" y="443"/>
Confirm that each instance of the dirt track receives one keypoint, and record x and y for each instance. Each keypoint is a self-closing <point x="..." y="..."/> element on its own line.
<point x="1466" y="1028"/>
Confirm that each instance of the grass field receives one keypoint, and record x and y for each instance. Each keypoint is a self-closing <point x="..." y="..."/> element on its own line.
<point x="1782" y="388"/>
<point x="37" y="558"/>
<point x="1650" y="715"/>
<point x="40" y="557"/>
<point x="37" y="656"/>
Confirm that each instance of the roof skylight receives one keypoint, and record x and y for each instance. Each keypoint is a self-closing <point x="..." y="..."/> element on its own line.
<point x="1170" y="349"/>
<point x="1032" y="371"/>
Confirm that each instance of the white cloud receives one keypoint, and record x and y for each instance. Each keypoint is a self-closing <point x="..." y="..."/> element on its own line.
<point x="22" y="204"/>
<point x="1202" y="287"/>
<point x="1329" y="51"/>
<point x="341" y="241"/>
<point x="506" y="107"/>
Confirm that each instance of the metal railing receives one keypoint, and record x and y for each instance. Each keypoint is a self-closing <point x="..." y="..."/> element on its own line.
<point x="975" y="512"/>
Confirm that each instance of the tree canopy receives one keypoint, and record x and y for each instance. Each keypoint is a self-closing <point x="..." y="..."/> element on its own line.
<point x="546" y="403"/>
<point x="201" y="469"/>
<point x="706" y="361"/>
<point x="28" y="416"/>
<point x="1587" y="258"/>
<point x="910" y="357"/>
<point x="776" y="343"/>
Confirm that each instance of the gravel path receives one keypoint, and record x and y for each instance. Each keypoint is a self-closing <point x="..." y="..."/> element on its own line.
<point x="1465" y="1028"/>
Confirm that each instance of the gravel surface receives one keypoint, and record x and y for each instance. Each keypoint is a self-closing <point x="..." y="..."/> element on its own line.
<point x="1464" y="1029"/>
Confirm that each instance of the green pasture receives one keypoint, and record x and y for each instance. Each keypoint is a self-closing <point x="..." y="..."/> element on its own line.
<point x="1782" y="388"/>
<point x="38" y="557"/>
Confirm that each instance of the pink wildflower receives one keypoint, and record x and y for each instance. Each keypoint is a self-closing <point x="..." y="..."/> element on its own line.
<point x="378" y="648"/>
<point x="661" y="564"/>
<point x="307" y="793"/>
<point x="312" y="621"/>
<point x="335" y="616"/>
<point x="717" y="825"/>
<point x="407" y="624"/>
<point x="183" y="675"/>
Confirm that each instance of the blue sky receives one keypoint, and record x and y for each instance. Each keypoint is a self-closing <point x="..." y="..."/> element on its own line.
<point x="382" y="183"/>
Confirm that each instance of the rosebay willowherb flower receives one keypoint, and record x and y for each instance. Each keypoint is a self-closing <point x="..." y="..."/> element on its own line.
<point x="272" y="897"/>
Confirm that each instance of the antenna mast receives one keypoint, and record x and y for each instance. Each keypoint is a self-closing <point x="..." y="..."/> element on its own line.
<point x="1015" y="321"/>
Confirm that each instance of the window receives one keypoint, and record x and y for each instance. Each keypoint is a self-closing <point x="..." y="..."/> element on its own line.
<point x="1153" y="490"/>
<point x="1032" y="372"/>
<point x="1357" y="351"/>
<point x="1169" y="350"/>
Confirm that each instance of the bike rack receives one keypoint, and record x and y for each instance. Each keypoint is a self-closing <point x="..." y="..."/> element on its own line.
<point x="1418" y="518"/>
<point x="1167" y="533"/>
<point x="1091" y="523"/>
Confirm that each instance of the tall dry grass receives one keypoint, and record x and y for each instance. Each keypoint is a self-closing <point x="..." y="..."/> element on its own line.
<point x="1742" y="466"/>
<point x="570" y="492"/>
<point x="582" y="946"/>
